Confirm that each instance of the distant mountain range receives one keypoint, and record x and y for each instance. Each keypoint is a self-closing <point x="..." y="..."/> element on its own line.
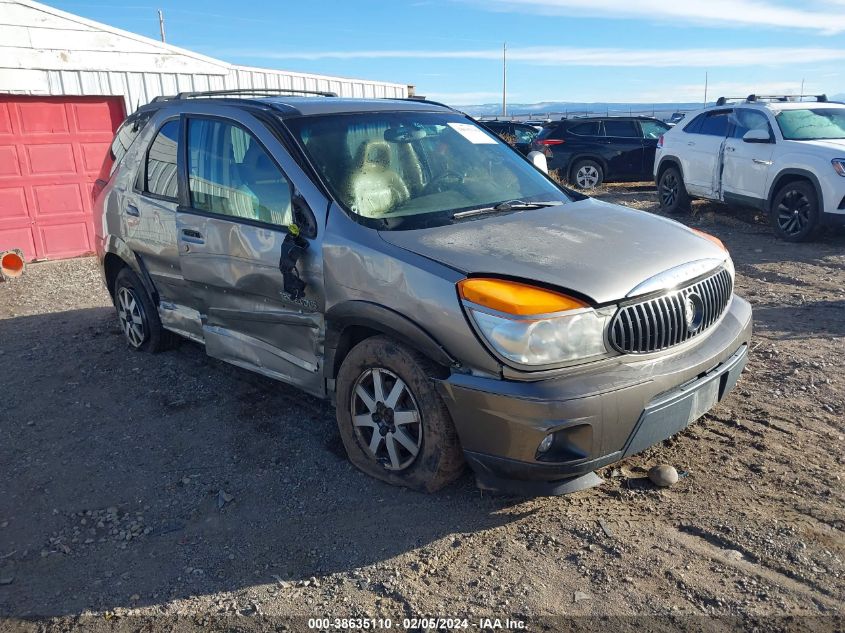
<point x="560" y="108"/>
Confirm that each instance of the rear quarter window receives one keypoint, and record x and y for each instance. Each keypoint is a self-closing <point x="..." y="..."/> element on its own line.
<point x="126" y="135"/>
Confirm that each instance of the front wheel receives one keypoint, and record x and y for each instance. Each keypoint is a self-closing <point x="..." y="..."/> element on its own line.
<point x="394" y="425"/>
<point x="672" y="192"/>
<point x="795" y="212"/>
<point x="587" y="174"/>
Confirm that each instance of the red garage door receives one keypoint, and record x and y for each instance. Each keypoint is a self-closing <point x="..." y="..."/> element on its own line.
<point x="51" y="152"/>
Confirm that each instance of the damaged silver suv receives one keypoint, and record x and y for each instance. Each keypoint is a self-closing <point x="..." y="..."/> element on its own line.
<point x="456" y="304"/>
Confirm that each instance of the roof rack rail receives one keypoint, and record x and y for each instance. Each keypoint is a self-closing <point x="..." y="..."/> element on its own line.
<point x="421" y="100"/>
<point x="752" y="98"/>
<point x="265" y="92"/>
<point x="820" y="98"/>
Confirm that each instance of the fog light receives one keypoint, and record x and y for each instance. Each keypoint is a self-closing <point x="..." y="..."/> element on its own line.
<point x="546" y="444"/>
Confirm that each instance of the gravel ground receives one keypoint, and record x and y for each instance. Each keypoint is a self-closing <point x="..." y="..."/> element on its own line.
<point x="139" y="486"/>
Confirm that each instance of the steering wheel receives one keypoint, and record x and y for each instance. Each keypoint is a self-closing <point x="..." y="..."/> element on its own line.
<point x="445" y="180"/>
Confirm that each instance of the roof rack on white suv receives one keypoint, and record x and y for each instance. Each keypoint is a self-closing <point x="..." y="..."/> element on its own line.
<point x="752" y="98"/>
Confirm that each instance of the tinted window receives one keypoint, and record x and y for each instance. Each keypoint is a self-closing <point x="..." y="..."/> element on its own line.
<point x="551" y="131"/>
<point x="715" y="124"/>
<point x="744" y="120"/>
<point x="692" y="126"/>
<point x="653" y="129"/>
<point x="621" y="128"/>
<point x="589" y="128"/>
<point x="160" y="176"/>
<point x="231" y="174"/>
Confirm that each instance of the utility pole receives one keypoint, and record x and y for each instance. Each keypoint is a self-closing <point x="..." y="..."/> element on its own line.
<point x="705" y="89"/>
<point x="801" y="98"/>
<point x="504" y="79"/>
<point x="161" y="24"/>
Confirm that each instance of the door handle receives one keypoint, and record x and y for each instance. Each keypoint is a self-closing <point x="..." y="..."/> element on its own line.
<point x="192" y="236"/>
<point x="760" y="161"/>
<point x="691" y="143"/>
<point x="132" y="210"/>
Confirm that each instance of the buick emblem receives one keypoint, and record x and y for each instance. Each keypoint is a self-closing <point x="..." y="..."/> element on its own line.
<point x="693" y="311"/>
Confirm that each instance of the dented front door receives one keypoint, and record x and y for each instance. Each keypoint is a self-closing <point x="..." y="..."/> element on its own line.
<point x="230" y="237"/>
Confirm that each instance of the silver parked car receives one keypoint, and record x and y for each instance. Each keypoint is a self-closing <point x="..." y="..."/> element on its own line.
<point x="455" y="303"/>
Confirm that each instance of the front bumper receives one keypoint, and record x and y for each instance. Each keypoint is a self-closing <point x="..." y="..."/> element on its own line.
<point x="604" y="411"/>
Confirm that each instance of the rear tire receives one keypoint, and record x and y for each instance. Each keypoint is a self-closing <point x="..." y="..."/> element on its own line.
<point x="393" y="423"/>
<point x="671" y="192"/>
<point x="587" y="174"/>
<point x="137" y="315"/>
<point x="794" y="214"/>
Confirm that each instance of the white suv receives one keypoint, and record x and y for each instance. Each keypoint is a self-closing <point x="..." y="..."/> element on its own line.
<point x="782" y="156"/>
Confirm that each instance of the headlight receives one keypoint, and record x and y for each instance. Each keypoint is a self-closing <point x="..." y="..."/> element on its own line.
<point x="533" y="326"/>
<point x="839" y="165"/>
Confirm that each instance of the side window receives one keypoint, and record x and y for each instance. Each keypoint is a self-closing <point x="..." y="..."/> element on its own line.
<point x="161" y="176"/>
<point x="626" y="129"/>
<point x="693" y="126"/>
<point x="524" y="133"/>
<point x="231" y="174"/>
<point x="715" y="123"/>
<point x="744" y="120"/>
<point x="653" y="129"/>
<point x="589" y="128"/>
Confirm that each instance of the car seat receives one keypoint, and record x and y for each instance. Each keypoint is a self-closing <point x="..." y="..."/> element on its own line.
<point x="374" y="188"/>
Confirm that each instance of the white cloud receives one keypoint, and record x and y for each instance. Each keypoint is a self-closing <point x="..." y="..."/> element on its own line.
<point x="564" y="56"/>
<point x="826" y="18"/>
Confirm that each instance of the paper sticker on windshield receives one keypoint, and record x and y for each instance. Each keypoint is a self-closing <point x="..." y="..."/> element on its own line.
<point x="473" y="134"/>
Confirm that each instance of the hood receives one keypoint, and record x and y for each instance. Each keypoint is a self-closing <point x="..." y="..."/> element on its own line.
<point x="835" y="144"/>
<point x="600" y="250"/>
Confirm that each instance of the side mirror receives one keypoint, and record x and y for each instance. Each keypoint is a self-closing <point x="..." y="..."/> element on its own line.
<point x="757" y="136"/>
<point x="538" y="159"/>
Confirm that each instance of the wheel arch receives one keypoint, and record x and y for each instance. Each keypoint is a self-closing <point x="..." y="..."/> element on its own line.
<point x="118" y="256"/>
<point x="665" y="163"/>
<point x="351" y="322"/>
<point x="792" y="174"/>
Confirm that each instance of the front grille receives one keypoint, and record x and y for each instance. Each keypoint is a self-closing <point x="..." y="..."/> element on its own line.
<point x="661" y="322"/>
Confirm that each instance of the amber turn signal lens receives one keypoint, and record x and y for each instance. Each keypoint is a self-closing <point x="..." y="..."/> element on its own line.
<point x="515" y="298"/>
<point x="712" y="238"/>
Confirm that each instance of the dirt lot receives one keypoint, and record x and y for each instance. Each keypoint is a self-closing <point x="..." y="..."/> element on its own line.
<point x="149" y="486"/>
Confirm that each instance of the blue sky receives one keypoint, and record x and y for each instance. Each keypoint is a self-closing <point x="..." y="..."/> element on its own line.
<point x="559" y="50"/>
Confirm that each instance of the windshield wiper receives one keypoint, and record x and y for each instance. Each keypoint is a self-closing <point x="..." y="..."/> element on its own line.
<point x="507" y="205"/>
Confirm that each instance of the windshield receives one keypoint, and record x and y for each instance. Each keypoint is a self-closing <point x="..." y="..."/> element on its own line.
<point x="400" y="170"/>
<point x="812" y="123"/>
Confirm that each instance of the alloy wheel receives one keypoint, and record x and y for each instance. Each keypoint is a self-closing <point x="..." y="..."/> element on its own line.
<point x="669" y="190"/>
<point x="131" y="317"/>
<point x="793" y="212"/>
<point x="386" y="418"/>
<point x="587" y="176"/>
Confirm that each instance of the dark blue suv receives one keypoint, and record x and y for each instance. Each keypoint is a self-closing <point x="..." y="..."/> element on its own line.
<point x="587" y="151"/>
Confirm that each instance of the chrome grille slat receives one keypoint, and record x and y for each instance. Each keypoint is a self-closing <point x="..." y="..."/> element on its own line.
<point x="660" y="322"/>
